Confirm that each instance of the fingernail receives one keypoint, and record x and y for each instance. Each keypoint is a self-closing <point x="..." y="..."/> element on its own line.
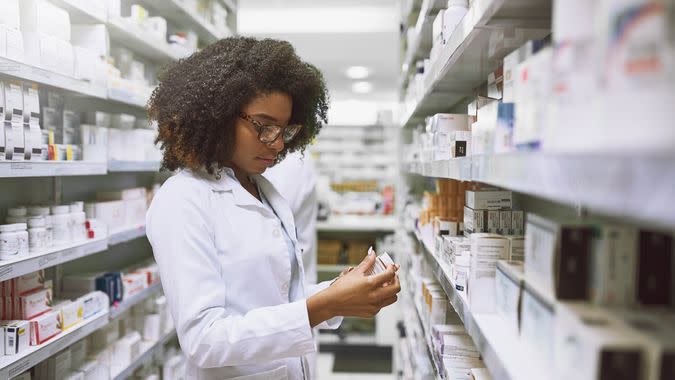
<point x="371" y="251"/>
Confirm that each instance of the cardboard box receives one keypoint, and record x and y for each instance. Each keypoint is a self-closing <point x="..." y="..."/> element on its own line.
<point x="655" y="268"/>
<point x="516" y="248"/>
<point x="537" y="327"/>
<point x="28" y="283"/>
<point x="474" y="221"/>
<point x="505" y="220"/>
<point x="486" y="250"/>
<point x="493" y="222"/>
<point x="614" y="266"/>
<point x="557" y="257"/>
<point x="34" y="304"/>
<point x="489" y="199"/>
<point x="508" y="292"/>
<point x="17" y="336"/>
<point x="517" y="223"/>
<point x="71" y="313"/>
<point x="133" y="284"/>
<point x="44" y="327"/>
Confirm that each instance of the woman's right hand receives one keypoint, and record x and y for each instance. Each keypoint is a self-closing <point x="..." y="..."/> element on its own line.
<point x="355" y="294"/>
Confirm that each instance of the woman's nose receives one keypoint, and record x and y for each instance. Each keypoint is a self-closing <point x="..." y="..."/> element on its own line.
<point x="278" y="144"/>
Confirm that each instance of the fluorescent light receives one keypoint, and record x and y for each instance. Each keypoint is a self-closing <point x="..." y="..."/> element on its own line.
<point x="357" y="72"/>
<point x="362" y="87"/>
<point x="366" y="19"/>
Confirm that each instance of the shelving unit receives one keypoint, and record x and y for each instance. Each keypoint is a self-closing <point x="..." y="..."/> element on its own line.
<point x="80" y="13"/>
<point x="15" y="169"/>
<point x="358" y="223"/>
<point x="59" y="255"/>
<point x="133" y="166"/>
<point x="125" y="235"/>
<point x="464" y="62"/>
<point x="130" y="35"/>
<point x="146" y="356"/>
<point x="11" y="366"/>
<point x="179" y="13"/>
<point x="117" y="310"/>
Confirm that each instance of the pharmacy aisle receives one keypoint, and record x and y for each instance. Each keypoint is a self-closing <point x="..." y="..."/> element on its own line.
<point x="537" y="223"/>
<point x="81" y="294"/>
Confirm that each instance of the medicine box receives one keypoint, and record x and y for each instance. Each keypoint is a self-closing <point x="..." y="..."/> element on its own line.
<point x="17" y="336"/>
<point x="34" y="304"/>
<point x="474" y="221"/>
<point x="516" y="248"/>
<point x="557" y="257"/>
<point x="486" y="250"/>
<point x="655" y="268"/>
<point x="590" y="344"/>
<point x="44" y="327"/>
<point x="537" y="326"/>
<point x="71" y="313"/>
<point x="28" y="283"/>
<point x="489" y="199"/>
<point x="134" y="283"/>
<point x="508" y="292"/>
<point x="614" y="266"/>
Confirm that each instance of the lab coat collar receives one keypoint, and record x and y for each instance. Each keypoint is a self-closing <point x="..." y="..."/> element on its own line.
<point x="279" y="204"/>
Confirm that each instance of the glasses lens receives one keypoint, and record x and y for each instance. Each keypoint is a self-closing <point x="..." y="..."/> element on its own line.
<point x="269" y="133"/>
<point x="290" y="132"/>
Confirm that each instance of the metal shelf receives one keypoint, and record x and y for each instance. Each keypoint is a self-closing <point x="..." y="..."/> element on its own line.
<point x="358" y="223"/>
<point x="30" y="73"/>
<point x="328" y="268"/>
<point x="145" y="356"/>
<point x="80" y="13"/>
<point x="133" y="166"/>
<point x="457" y="168"/>
<point x="59" y="255"/>
<point x="125" y="235"/>
<point x="13" y="169"/>
<point x="466" y="60"/>
<point x="14" y="365"/>
<point x="501" y="351"/>
<point x="133" y="37"/>
<point x="127" y="99"/>
<point x="126" y="304"/>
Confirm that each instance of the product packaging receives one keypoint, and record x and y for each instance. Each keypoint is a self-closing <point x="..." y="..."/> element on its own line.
<point x="17" y="336"/>
<point x="614" y="266"/>
<point x="509" y="287"/>
<point x="489" y="199"/>
<point x="44" y="327"/>
<point x="486" y="250"/>
<point x="34" y="304"/>
<point x="537" y="327"/>
<point x="655" y="268"/>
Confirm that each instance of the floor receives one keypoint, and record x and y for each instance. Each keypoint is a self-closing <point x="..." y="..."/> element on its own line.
<point x="325" y="371"/>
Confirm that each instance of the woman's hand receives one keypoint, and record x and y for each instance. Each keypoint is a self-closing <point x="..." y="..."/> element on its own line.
<point x="355" y="294"/>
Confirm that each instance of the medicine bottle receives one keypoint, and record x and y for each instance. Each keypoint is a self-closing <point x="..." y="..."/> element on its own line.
<point x="22" y="231"/>
<point x="9" y="242"/>
<point x="37" y="234"/>
<point x="61" y="222"/>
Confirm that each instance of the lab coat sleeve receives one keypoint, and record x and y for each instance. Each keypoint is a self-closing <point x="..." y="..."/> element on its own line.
<point x="332" y="323"/>
<point x="181" y="235"/>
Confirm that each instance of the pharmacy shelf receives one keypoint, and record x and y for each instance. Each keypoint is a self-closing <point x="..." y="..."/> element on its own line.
<point x="14" y="169"/>
<point x="126" y="234"/>
<point x="11" y="366"/>
<point x="34" y="74"/>
<point x="501" y="351"/>
<point x="59" y="255"/>
<point x="457" y="168"/>
<point x="126" y="304"/>
<point x="82" y="11"/>
<point x="328" y="268"/>
<point x="179" y="13"/>
<point x="125" y="98"/>
<point x="421" y="44"/>
<point x="133" y="166"/>
<point x="358" y="223"/>
<point x="326" y="339"/>
<point x="131" y="36"/>
<point x="467" y="58"/>
<point x="427" y="340"/>
<point x="145" y="357"/>
<point x="636" y="188"/>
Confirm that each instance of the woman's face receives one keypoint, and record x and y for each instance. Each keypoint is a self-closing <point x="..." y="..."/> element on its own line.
<point x="250" y="155"/>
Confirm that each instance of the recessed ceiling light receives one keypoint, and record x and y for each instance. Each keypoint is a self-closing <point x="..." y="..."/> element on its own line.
<point x="357" y="72"/>
<point x="362" y="87"/>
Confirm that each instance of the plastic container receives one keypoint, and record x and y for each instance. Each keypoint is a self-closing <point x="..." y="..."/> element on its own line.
<point x="79" y="228"/>
<point x="60" y="210"/>
<point x="9" y="242"/>
<point x="17" y="211"/>
<point x="61" y="228"/>
<point x="77" y="207"/>
<point x="38" y="211"/>
<point x="50" y="230"/>
<point x="37" y="234"/>
<point x="16" y="219"/>
<point x="22" y="229"/>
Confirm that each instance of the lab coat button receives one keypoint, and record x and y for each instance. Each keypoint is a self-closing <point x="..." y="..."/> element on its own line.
<point x="284" y="286"/>
<point x="276" y="232"/>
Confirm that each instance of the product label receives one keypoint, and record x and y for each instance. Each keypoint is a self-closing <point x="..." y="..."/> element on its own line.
<point x="9" y="245"/>
<point x="504" y="222"/>
<point x="18" y="141"/>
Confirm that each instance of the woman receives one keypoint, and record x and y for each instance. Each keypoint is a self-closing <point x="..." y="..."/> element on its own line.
<point x="223" y="237"/>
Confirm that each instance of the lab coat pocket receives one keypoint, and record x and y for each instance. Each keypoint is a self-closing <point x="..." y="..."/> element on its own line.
<point x="280" y="373"/>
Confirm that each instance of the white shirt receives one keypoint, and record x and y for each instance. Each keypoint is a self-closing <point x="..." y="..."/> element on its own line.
<point x="225" y="272"/>
<point x="295" y="179"/>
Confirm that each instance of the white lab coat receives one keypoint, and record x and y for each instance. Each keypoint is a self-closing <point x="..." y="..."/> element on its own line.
<point x="225" y="271"/>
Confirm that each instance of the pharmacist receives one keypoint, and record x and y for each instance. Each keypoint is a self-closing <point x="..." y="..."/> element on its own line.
<point x="224" y="239"/>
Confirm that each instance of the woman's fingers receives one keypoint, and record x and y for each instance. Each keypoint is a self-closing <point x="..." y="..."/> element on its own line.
<point x="366" y="263"/>
<point x="380" y="279"/>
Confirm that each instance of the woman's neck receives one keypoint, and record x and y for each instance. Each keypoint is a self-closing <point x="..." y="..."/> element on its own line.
<point x="245" y="181"/>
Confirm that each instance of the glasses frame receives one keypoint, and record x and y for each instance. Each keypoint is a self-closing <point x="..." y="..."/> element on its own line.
<point x="277" y="130"/>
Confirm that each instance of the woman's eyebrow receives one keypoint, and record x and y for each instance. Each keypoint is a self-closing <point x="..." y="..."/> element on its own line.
<point x="266" y="117"/>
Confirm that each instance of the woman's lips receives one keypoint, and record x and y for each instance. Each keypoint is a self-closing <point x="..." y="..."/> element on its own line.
<point x="267" y="161"/>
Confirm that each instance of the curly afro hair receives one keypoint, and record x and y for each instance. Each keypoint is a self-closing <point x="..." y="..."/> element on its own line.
<point x="199" y="98"/>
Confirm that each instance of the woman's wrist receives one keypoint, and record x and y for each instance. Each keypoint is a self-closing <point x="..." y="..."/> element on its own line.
<point x="319" y="308"/>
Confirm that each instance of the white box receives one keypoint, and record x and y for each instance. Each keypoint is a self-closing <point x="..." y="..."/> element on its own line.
<point x="34" y="304"/>
<point x="449" y="123"/>
<point x="28" y="283"/>
<point x="17" y="336"/>
<point x="112" y="214"/>
<point x="486" y="250"/>
<point x="532" y="94"/>
<point x="474" y="221"/>
<point x="71" y="313"/>
<point x="134" y="211"/>
<point x="517" y="223"/>
<point x="133" y="283"/>
<point x="94" y="143"/>
<point x="92" y="37"/>
<point x="85" y="65"/>
<point x="511" y="63"/>
<point x="509" y="287"/>
<point x="123" y="195"/>
<point x="11" y="43"/>
<point x="614" y="266"/>
<point x="126" y="349"/>
<point x="590" y="344"/>
<point x="505" y="220"/>
<point x="557" y="257"/>
<point x="537" y="327"/>
<point x="516" y="248"/>
<point x="493" y="221"/>
<point x="65" y="57"/>
<point x="489" y="199"/>
<point x="44" y="328"/>
<point x="42" y="17"/>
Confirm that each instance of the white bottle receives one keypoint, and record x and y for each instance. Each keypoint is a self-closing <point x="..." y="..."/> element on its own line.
<point x="37" y="234"/>
<point x="456" y="11"/>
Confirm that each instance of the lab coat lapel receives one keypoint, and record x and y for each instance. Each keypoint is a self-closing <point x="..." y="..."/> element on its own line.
<point x="279" y="205"/>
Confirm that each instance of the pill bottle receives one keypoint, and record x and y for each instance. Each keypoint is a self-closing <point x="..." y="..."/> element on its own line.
<point x="79" y="227"/>
<point x="50" y="231"/>
<point x="77" y="207"/>
<point x="9" y="242"/>
<point x="37" y="234"/>
<point x="61" y="228"/>
<point x="22" y="230"/>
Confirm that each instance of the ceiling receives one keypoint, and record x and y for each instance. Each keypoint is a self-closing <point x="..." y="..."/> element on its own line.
<point x="333" y="35"/>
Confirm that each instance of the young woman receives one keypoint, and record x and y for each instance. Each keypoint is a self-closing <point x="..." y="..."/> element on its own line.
<point x="224" y="239"/>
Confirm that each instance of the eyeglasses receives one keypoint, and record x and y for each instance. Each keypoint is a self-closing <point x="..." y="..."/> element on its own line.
<point x="267" y="134"/>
